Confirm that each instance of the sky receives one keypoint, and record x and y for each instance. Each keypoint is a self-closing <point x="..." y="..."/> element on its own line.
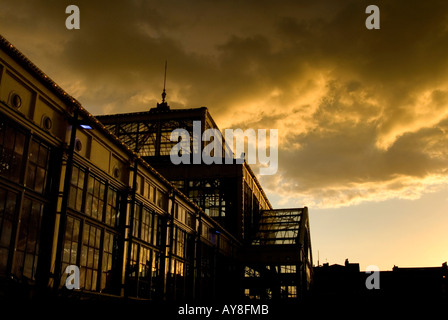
<point x="362" y="115"/>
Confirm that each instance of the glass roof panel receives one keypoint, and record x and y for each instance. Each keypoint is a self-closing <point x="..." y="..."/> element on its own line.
<point x="278" y="227"/>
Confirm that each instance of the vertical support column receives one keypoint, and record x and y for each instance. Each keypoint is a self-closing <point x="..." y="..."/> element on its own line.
<point x="198" y="254"/>
<point x="64" y="203"/>
<point x="169" y="247"/>
<point x="130" y="228"/>
<point x="130" y="225"/>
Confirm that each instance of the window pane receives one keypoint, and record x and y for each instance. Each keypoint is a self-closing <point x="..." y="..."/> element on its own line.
<point x="90" y="256"/>
<point x="20" y="143"/>
<point x="95" y="198"/>
<point x="31" y="175"/>
<point x="34" y="151"/>
<point x="76" y="188"/>
<point x="38" y="166"/>
<point x="7" y="211"/>
<point x="112" y="207"/>
<point x="3" y="259"/>
<point x="11" y="151"/>
<point x="28" y="239"/>
<point x="84" y="256"/>
<point x="43" y="157"/>
<point x="78" y="204"/>
<point x="71" y="241"/>
<point x="28" y="266"/>
<point x="75" y="172"/>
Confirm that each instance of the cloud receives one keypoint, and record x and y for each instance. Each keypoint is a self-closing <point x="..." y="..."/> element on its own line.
<point x="362" y="115"/>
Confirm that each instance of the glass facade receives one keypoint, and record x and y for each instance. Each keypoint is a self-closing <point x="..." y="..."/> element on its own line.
<point x="92" y="230"/>
<point x="12" y="148"/>
<point x="283" y="235"/>
<point x="144" y="266"/>
<point x="37" y="172"/>
<point x="80" y="207"/>
<point x="27" y="245"/>
<point x="278" y="227"/>
<point x="144" y="271"/>
<point x="168" y="259"/>
<point x="25" y="180"/>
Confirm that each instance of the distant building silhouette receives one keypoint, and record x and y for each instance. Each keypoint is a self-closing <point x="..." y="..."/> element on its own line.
<point x="335" y="283"/>
<point x="415" y="282"/>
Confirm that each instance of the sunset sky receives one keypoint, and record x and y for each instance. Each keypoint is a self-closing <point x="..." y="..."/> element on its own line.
<point x="362" y="115"/>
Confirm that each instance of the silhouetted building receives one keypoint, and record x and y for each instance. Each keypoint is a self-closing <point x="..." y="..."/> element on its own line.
<point x="77" y="192"/>
<point x="336" y="281"/>
<point x="415" y="282"/>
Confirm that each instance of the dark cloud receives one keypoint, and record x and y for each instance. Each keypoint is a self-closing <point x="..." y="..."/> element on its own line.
<point x="361" y="114"/>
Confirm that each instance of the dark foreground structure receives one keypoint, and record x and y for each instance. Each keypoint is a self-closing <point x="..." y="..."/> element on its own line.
<point x="99" y="195"/>
<point x="400" y="292"/>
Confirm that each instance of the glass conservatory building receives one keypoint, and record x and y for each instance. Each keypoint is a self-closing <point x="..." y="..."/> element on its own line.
<point x="87" y="192"/>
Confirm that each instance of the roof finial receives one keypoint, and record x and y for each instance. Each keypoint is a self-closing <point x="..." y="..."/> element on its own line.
<point x="164" y="84"/>
<point x="163" y="106"/>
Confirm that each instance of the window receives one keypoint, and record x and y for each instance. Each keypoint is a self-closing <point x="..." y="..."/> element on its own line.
<point x="71" y="244"/>
<point x="179" y="184"/>
<point x="95" y="198"/>
<point x="76" y="188"/>
<point x="212" y="205"/>
<point x="8" y="201"/>
<point x="278" y="227"/>
<point x="90" y="256"/>
<point x="288" y="292"/>
<point x="196" y="196"/>
<point x="133" y="270"/>
<point x="145" y="224"/>
<point x="179" y="239"/>
<point x="12" y="145"/>
<point x="288" y="268"/>
<point x="85" y="246"/>
<point x="179" y="268"/>
<point x="27" y="248"/>
<point x="165" y="141"/>
<point x="161" y="200"/>
<point x="136" y="220"/>
<point x="140" y="186"/>
<point x="146" y="232"/>
<point x="190" y="220"/>
<point x="205" y="231"/>
<point x="22" y="230"/>
<point x="38" y="165"/>
<point x="109" y="255"/>
<point x="152" y="194"/>
<point x="251" y="273"/>
<point x="99" y="200"/>
<point x="143" y="271"/>
<point x="146" y="190"/>
<point x="145" y="263"/>
<point x="156" y="230"/>
<point x="112" y="207"/>
<point x="179" y="213"/>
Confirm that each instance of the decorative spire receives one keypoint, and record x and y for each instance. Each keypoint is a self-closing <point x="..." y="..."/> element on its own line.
<point x="163" y="105"/>
<point x="164" y="84"/>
